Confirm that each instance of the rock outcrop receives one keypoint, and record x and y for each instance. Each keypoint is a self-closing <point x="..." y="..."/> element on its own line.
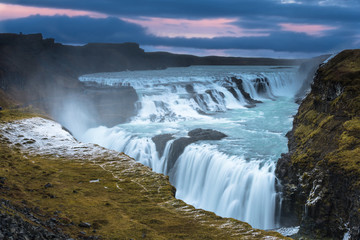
<point x="179" y="144"/>
<point x="160" y="142"/>
<point x="239" y="84"/>
<point x="321" y="173"/>
<point x="306" y="72"/>
<point x="195" y="135"/>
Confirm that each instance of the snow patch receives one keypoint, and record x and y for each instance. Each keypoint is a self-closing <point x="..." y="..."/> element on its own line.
<point x="43" y="136"/>
<point x="315" y="195"/>
<point x="288" y="231"/>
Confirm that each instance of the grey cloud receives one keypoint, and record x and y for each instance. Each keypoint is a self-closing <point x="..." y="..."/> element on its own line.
<point x="85" y="29"/>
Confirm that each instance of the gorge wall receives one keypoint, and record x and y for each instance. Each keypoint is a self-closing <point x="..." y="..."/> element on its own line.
<point x="321" y="173"/>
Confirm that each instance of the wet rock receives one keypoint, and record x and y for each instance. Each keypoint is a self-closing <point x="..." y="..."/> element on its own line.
<point x="160" y="142"/>
<point x="239" y="84"/>
<point x="84" y="225"/>
<point x="178" y="146"/>
<point x="189" y="88"/>
<point x="206" y="134"/>
<point x="211" y="94"/>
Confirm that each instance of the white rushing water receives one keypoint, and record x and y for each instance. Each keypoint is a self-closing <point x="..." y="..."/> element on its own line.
<point x="233" y="177"/>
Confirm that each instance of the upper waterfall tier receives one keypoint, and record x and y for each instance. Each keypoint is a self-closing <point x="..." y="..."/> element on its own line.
<point x="195" y="92"/>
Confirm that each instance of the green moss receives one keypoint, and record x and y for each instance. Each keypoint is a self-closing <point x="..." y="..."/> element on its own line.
<point x="353" y="125"/>
<point x="327" y="142"/>
<point x="12" y="114"/>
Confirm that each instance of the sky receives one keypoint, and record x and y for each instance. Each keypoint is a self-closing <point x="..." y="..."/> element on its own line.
<point x="248" y="28"/>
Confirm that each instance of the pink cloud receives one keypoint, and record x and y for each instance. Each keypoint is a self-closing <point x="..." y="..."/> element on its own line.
<point x="231" y="52"/>
<point x="203" y="28"/>
<point x="12" y="11"/>
<point x="309" y="29"/>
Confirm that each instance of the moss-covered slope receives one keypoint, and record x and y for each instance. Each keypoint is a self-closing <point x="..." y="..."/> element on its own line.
<point x="84" y="191"/>
<point x="321" y="172"/>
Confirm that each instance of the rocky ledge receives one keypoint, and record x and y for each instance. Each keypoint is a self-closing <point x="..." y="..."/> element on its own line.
<point x="321" y="173"/>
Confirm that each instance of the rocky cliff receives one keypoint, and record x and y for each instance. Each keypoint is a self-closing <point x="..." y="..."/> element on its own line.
<point x="321" y="173"/>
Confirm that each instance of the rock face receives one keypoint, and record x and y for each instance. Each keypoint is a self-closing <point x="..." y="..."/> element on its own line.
<point x="239" y="84"/>
<point x="160" y="142"/>
<point x="307" y="71"/>
<point x="321" y="173"/>
<point x="195" y="135"/>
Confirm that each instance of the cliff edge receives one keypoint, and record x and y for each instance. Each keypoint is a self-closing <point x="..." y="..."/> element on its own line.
<point x="321" y="173"/>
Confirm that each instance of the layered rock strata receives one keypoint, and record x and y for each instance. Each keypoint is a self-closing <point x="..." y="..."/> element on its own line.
<point x="321" y="173"/>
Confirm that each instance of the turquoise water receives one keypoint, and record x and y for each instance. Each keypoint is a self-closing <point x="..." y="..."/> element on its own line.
<point x="233" y="177"/>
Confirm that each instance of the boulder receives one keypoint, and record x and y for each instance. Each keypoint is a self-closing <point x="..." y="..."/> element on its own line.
<point x="160" y="142"/>
<point x="195" y="135"/>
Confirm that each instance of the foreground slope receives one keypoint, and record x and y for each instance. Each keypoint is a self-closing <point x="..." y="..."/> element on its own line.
<point x="52" y="186"/>
<point x="321" y="172"/>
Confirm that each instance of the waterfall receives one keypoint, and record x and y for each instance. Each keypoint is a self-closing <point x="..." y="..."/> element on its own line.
<point x="233" y="177"/>
<point x="227" y="185"/>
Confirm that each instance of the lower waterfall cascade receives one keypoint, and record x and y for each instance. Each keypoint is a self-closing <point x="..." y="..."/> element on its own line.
<point x="253" y="106"/>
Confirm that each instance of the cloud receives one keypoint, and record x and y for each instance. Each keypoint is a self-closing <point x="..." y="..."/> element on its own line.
<point x="79" y="29"/>
<point x="82" y="29"/>
<point x="11" y="11"/>
<point x="198" y="28"/>
<point x="211" y="25"/>
<point x="309" y="29"/>
<point x="308" y="9"/>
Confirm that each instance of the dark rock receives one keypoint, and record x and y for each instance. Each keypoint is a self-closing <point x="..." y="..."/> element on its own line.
<point x="160" y="142"/>
<point x="212" y="96"/>
<point x="84" y="225"/>
<point x="239" y="83"/>
<point x="16" y="227"/>
<point x="48" y="185"/>
<point x="52" y="196"/>
<point x="262" y="87"/>
<point x="2" y="180"/>
<point x="206" y="134"/>
<point x="189" y="88"/>
<point x="306" y="74"/>
<point x="178" y="146"/>
<point x="233" y="92"/>
<point x="320" y="175"/>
